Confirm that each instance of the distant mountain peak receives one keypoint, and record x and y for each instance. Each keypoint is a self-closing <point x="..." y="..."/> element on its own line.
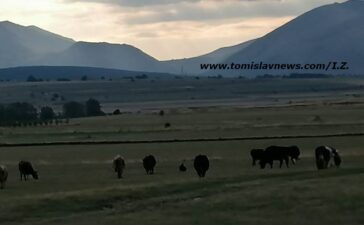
<point x="6" y="22"/>
<point x="9" y="23"/>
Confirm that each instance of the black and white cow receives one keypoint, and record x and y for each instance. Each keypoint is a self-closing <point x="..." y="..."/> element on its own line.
<point x="325" y="155"/>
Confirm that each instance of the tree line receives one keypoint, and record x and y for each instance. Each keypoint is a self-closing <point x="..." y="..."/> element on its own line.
<point x="26" y="114"/>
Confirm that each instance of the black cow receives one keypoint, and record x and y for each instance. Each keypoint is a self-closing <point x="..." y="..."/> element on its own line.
<point x="256" y="154"/>
<point x="281" y="154"/>
<point x="25" y="169"/>
<point x="182" y="167"/>
<point x="149" y="163"/>
<point x="273" y="153"/>
<point x="119" y="165"/>
<point x="324" y="154"/>
<point x="201" y="165"/>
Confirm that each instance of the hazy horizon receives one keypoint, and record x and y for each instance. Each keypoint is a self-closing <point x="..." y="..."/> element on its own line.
<point x="163" y="29"/>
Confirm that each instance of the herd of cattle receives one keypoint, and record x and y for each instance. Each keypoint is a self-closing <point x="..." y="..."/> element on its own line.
<point x="325" y="156"/>
<point x="201" y="165"/>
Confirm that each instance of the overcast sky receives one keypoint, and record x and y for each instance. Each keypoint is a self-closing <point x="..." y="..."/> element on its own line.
<point x="165" y="29"/>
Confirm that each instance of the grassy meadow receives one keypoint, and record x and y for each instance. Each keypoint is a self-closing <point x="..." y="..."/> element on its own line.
<point x="78" y="186"/>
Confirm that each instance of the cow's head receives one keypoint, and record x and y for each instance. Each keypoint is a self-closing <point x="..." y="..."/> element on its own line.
<point x="35" y="175"/>
<point x="337" y="160"/>
<point x="295" y="151"/>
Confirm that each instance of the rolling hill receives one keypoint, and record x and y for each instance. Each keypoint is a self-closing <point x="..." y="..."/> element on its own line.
<point x="104" y="55"/>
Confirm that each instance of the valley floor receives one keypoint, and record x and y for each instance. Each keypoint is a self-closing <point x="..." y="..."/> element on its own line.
<point x="77" y="184"/>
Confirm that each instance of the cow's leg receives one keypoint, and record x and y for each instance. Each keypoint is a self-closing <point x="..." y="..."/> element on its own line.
<point x="271" y="164"/>
<point x="287" y="161"/>
<point x="280" y="163"/>
<point x="2" y="185"/>
<point x="293" y="161"/>
<point x="254" y="162"/>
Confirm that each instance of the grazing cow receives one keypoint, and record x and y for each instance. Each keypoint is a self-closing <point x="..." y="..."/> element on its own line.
<point x="182" y="167"/>
<point x="119" y="165"/>
<point x="256" y="154"/>
<point x="25" y="169"/>
<point x="275" y="153"/>
<point x="201" y="165"/>
<point x="3" y="176"/>
<point x="149" y="163"/>
<point x="324" y="154"/>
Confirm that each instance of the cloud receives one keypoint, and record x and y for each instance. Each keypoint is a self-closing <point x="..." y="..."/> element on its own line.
<point x="155" y="11"/>
<point x="148" y="3"/>
<point x="206" y="12"/>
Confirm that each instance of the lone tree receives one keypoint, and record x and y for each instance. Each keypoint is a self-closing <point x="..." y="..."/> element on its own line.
<point x="93" y="108"/>
<point x="73" y="110"/>
<point x="116" y="112"/>
<point x="47" y="113"/>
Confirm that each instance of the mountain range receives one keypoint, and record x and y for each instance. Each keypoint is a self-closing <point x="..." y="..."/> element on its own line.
<point x="332" y="32"/>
